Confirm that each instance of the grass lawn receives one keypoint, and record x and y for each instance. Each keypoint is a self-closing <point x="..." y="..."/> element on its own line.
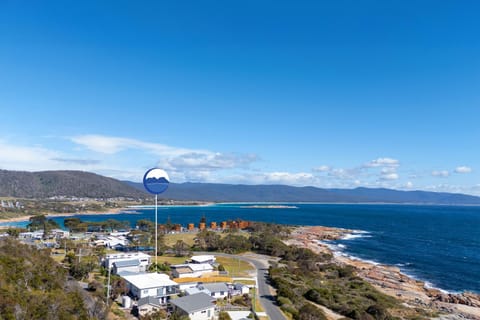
<point x="235" y="267"/>
<point x="258" y="306"/>
<point x="170" y="259"/>
<point x="246" y="282"/>
<point x="171" y="239"/>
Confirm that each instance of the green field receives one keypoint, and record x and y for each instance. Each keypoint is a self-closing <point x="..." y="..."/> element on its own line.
<point x="188" y="238"/>
<point x="235" y="267"/>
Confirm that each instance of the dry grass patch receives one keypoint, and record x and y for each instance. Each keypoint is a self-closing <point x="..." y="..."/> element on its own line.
<point x="235" y="267"/>
<point x="172" y="238"/>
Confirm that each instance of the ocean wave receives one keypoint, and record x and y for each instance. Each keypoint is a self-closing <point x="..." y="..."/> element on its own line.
<point x="356" y="235"/>
<point x="406" y="264"/>
<point x="429" y="285"/>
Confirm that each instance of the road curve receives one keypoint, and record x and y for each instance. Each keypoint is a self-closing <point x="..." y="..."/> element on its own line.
<point x="267" y="300"/>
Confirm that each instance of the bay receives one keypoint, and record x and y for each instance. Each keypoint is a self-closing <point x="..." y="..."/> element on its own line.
<point x="436" y="244"/>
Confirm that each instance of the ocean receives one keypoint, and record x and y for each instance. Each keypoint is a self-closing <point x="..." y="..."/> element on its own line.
<point x="436" y="244"/>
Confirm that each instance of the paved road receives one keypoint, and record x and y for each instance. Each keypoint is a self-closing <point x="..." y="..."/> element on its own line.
<point x="267" y="300"/>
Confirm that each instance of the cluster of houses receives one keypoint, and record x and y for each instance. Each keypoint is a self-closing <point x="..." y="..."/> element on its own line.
<point x="10" y="204"/>
<point x="154" y="291"/>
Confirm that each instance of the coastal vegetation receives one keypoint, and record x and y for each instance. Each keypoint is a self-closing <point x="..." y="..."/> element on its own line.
<point x="304" y="280"/>
<point x="33" y="286"/>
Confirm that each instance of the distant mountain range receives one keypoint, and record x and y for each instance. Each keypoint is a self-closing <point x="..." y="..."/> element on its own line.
<point x="47" y="184"/>
<point x="281" y="193"/>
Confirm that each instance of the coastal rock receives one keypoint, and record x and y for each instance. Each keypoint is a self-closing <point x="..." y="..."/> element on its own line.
<point x="390" y="280"/>
<point x="468" y="299"/>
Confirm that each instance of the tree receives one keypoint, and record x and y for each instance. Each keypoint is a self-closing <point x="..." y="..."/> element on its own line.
<point x="145" y="225"/>
<point x="13" y="232"/>
<point x="80" y="270"/>
<point x="71" y="223"/>
<point x="208" y="240"/>
<point x="34" y="286"/>
<point x="40" y="222"/>
<point x="224" y="316"/>
<point x="119" y="287"/>
<point x="310" y="312"/>
<point x="112" y="224"/>
<point x="178" y="316"/>
<point x="235" y="243"/>
<point x="181" y="248"/>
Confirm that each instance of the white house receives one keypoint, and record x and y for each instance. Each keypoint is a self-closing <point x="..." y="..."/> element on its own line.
<point x="238" y="289"/>
<point x="198" y="306"/>
<point x="203" y="259"/>
<point x="148" y="305"/>
<point x="156" y="285"/>
<point x="60" y="234"/>
<point x="130" y="266"/>
<point x="191" y="270"/>
<point x="217" y="290"/>
<point x="115" y="257"/>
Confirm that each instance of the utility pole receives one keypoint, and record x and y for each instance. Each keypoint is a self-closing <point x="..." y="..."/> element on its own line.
<point x="156" y="234"/>
<point x="108" y="285"/>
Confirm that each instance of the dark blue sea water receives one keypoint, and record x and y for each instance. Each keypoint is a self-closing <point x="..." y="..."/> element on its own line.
<point x="437" y="244"/>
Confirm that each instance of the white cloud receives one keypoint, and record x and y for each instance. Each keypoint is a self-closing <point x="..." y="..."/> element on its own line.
<point x="389" y="176"/>
<point x="409" y="184"/>
<point x="382" y="162"/>
<point x="388" y="170"/>
<point x="440" y="173"/>
<point x="345" y="174"/>
<point x="112" y="145"/>
<point x="16" y="157"/>
<point x="169" y="158"/>
<point x="322" y="169"/>
<point x="300" y="178"/>
<point x="463" y="169"/>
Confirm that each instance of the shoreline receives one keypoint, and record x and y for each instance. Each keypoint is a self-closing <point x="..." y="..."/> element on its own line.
<point x="112" y="211"/>
<point x="389" y="279"/>
<point x="66" y="214"/>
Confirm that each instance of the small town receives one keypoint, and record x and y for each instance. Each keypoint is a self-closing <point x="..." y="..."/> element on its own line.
<point x="137" y="285"/>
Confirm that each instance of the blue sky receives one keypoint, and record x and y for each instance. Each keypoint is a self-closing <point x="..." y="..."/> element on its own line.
<point x="330" y="94"/>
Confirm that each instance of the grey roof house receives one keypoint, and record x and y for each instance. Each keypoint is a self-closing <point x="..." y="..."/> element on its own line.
<point x="199" y="306"/>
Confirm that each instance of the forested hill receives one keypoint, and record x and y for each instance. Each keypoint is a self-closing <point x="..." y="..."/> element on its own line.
<point x="44" y="184"/>
<point x="281" y="193"/>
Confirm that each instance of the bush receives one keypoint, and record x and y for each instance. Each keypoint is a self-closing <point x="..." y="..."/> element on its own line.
<point x="310" y="312"/>
<point x="224" y="316"/>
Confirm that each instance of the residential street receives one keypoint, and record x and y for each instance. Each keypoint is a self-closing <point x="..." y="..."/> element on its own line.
<point x="267" y="300"/>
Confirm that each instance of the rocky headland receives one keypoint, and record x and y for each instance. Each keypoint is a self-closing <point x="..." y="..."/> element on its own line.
<point x="390" y="280"/>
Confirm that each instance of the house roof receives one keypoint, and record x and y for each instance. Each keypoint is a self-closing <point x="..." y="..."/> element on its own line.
<point x="182" y="270"/>
<point x="194" y="302"/>
<point x="190" y="291"/>
<point x="214" y="287"/>
<point x="123" y="273"/>
<point x="192" y="267"/>
<point x="127" y="255"/>
<point x="149" y="280"/>
<point x="238" y="286"/>
<point x="203" y="258"/>
<point x="200" y="266"/>
<point x="127" y="263"/>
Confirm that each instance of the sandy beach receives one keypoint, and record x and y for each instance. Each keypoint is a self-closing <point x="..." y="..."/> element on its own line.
<point x="390" y="280"/>
<point x="68" y="214"/>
